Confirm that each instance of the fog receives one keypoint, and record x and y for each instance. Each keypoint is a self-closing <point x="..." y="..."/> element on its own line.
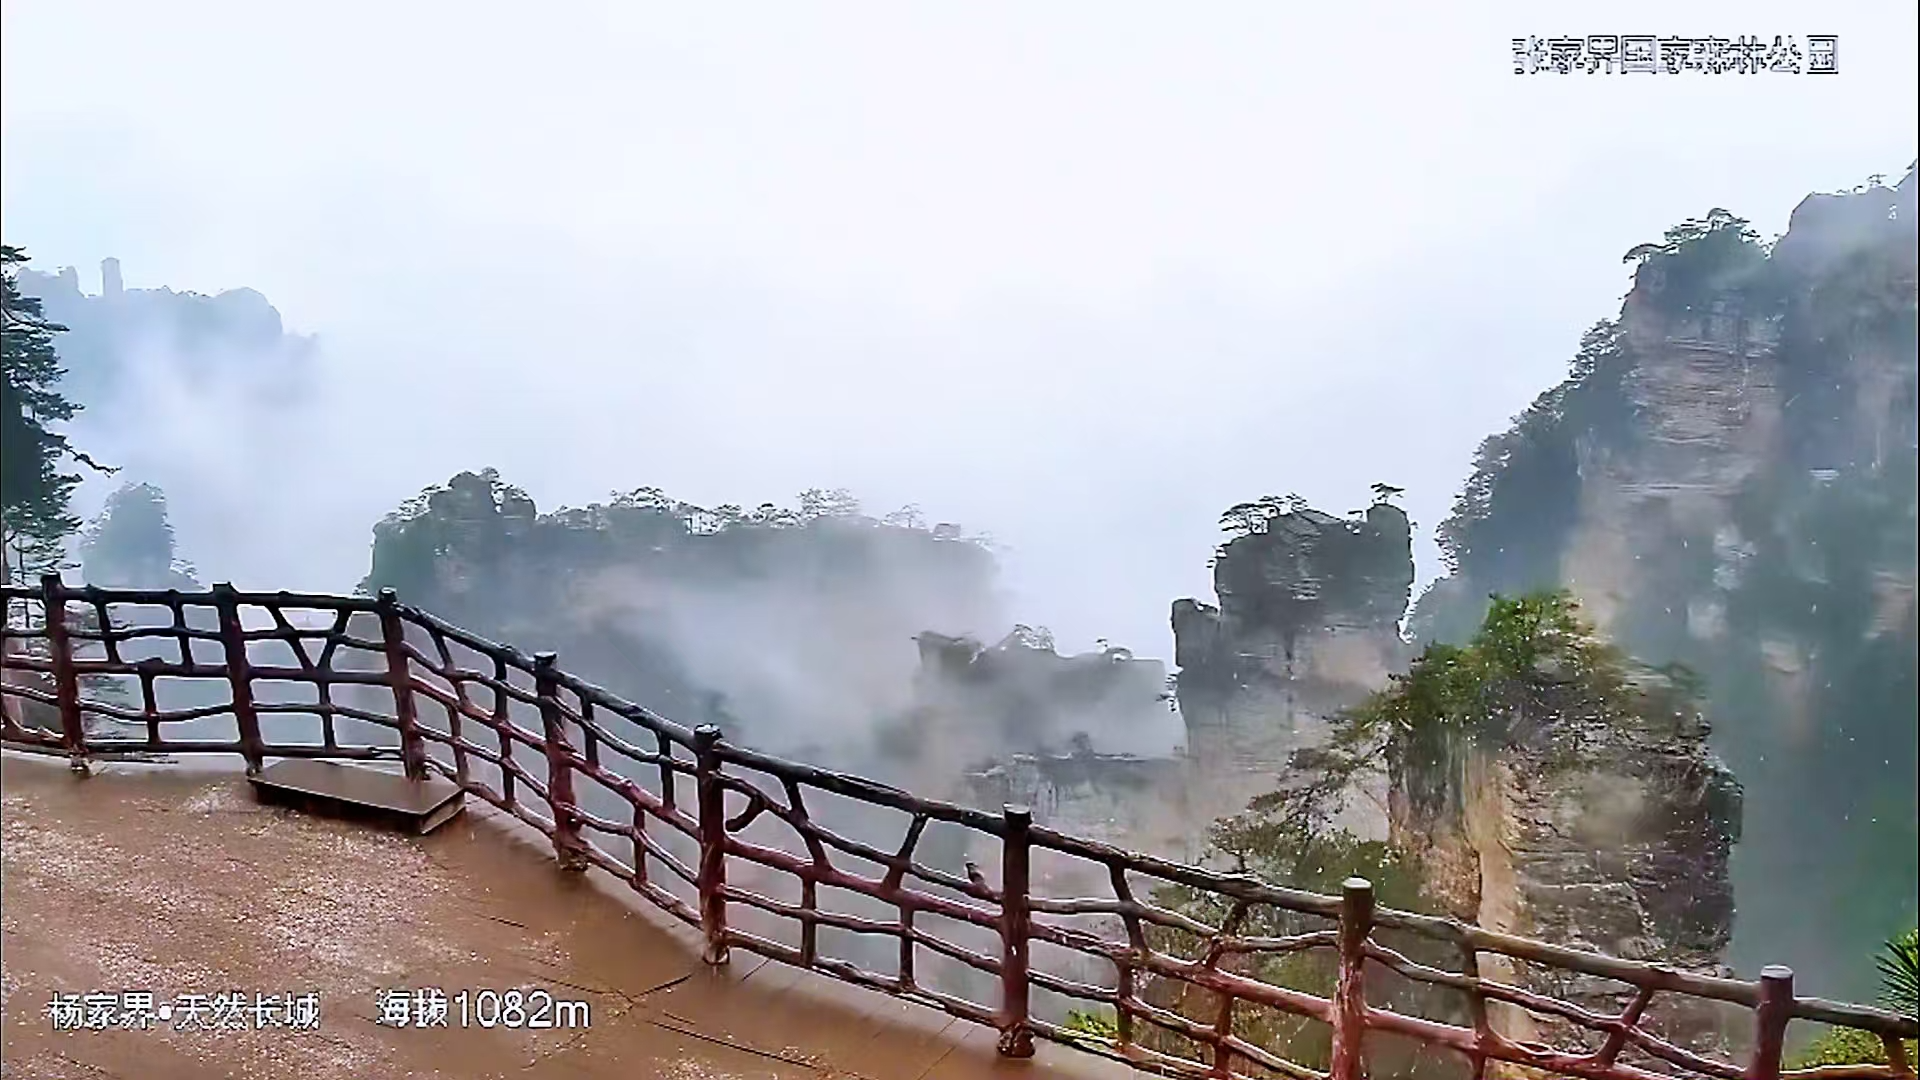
<point x="1078" y="277"/>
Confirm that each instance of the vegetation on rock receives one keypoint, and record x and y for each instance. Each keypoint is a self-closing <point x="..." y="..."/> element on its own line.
<point x="130" y="544"/>
<point x="1533" y="659"/>
<point x="1701" y="259"/>
<point x="711" y="615"/>
<point x="1899" y="967"/>
<point x="1742" y="444"/>
<point x="1509" y="525"/>
<point x="478" y="521"/>
<point x="1358" y="566"/>
<point x="1533" y="673"/>
<point x="1287" y="572"/>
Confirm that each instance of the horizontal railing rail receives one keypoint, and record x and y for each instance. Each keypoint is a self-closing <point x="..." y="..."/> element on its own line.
<point x="696" y="825"/>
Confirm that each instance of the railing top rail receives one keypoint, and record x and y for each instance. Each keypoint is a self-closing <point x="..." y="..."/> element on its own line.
<point x="207" y="597"/>
<point x="1243" y="889"/>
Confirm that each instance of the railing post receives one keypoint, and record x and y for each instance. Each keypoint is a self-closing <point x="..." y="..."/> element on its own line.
<point x="1016" y="850"/>
<point x="66" y="683"/>
<point x="568" y="847"/>
<point x="393" y="634"/>
<point x="1770" y="1018"/>
<point x="226" y="601"/>
<point x="1897" y="1056"/>
<point x="1350" y="993"/>
<point x="711" y="881"/>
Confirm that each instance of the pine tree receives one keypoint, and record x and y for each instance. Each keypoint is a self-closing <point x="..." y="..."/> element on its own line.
<point x="34" y="492"/>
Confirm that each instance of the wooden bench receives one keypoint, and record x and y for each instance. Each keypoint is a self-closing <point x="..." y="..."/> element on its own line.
<point x="361" y="793"/>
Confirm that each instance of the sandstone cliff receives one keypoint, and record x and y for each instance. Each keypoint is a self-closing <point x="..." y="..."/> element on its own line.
<point x="1727" y="479"/>
<point x="1535" y="781"/>
<point x="1308" y="624"/>
<point x="1587" y="812"/>
<point x="1058" y="734"/>
<point x="1021" y="695"/>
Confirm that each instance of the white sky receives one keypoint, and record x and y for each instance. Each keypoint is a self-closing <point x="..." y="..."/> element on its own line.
<point x="1076" y="274"/>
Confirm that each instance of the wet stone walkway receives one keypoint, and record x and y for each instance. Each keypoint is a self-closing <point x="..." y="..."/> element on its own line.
<point x="172" y="881"/>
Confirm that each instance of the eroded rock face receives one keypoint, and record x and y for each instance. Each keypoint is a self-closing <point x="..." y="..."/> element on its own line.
<point x="1037" y="729"/>
<point x="1056" y="733"/>
<point x="1607" y="832"/>
<point x="1607" y="829"/>
<point x="1121" y="799"/>
<point x="1706" y="389"/>
<point x="1021" y="696"/>
<point x="1308" y="624"/>
<point x="1758" y="524"/>
<point x="1795" y="368"/>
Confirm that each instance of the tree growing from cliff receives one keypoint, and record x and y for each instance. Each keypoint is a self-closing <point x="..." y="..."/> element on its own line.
<point x="467" y="520"/>
<point x="1812" y="550"/>
<point x="1271" y="844"/>
<point x="1510" y="519"/>
<point x="1702" y="259"/>
<point x="1248" y="518"/>
<point x="1533" y="659"/>
<point x="1719" y="224"/>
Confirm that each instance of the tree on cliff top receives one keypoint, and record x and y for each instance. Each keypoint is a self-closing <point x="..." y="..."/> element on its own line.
<point x="34" y="493"/>
<point x="478" y="523"/>
<point x="1533" y="658"/>
<point x="698" y="612"/>
<point x="1801" y="551"/>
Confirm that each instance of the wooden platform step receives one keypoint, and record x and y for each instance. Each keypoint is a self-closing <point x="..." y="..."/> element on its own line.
<point x="358" y="792"/>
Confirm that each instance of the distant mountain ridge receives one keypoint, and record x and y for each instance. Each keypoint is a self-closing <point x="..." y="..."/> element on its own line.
<point x="235" y="334"/>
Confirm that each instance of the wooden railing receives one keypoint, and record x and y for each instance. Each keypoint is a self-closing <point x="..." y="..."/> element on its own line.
<point x="699" y="818"/>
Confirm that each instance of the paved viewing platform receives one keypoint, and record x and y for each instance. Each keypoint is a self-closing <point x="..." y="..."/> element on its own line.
<point x="173" y="880"/>
<point x="166" y="887"/>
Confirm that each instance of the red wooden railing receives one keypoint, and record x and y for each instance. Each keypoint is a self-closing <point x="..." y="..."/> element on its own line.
<point x="415" y="659"/>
